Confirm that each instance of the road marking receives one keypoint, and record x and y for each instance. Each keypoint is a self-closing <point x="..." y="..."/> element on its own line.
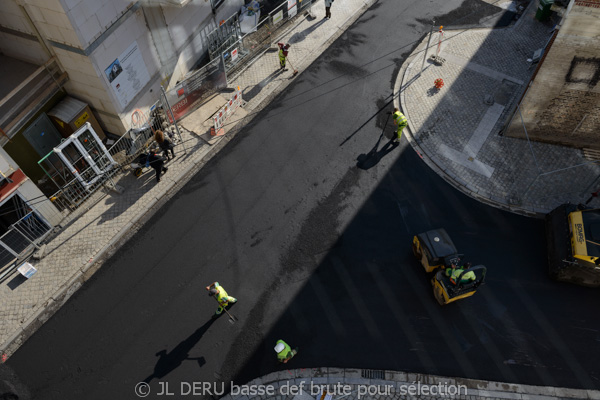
<point x="396" y="309"/>
<point x="559" y="344"/>
<point x="327" y="304"/>
<point x="464" y="366"/>
<point x="463" y="159"/>
<point x="356" y="297"/>
<point x="475" y="143"/>
<point x="467" y="158"/>
<point x="503" y="316"/>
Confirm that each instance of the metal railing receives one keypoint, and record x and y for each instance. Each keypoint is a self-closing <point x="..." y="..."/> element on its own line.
<point x="20" y="240"/>
<point x="74" y="193"/>
<point x="195" y="88"/>
<point x="253" y="44"/>
<point x="223" y="36"/>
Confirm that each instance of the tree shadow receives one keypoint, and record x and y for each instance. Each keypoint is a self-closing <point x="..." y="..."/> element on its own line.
<point x="168" y="362"/>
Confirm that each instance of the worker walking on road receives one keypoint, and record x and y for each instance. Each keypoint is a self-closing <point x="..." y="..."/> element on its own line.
<point x="217" y="291"/>
<point x="283" y="53"/>
<point x="284" y="351"/>
<point x="400" y="122"/>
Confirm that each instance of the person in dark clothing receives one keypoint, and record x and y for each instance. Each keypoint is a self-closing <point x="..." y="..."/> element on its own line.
<point x="158" y="163"/>
<point x="164" y="143"/>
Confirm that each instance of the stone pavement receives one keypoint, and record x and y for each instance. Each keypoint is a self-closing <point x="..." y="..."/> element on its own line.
<point x="457" y="133"/>
<point x="361" y="384"/>
<point x="73" y="256"/>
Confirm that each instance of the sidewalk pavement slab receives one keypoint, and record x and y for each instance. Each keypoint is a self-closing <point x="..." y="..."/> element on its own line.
<point x="457" y="133"/>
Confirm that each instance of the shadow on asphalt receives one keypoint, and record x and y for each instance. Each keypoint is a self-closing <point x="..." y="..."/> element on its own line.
<point x="369" y="303"/>
<point x="372" y="158"/>
<point x="169" y="361"/>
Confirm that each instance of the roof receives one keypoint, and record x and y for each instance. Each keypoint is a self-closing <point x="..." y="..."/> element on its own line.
<point x="438" y="242"/>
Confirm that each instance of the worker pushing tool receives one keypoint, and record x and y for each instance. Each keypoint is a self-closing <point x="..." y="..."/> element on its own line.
<point x="400" y="122"/>
<point x="283" y="53"/>
<point x="284" y="351"/>
<point x="218" y="292"/>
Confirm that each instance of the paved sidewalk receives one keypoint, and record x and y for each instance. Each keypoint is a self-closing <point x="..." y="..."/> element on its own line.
<point x="456" y="132"/>
<point x="79" y="250"/>
<point x="361" y="384"/>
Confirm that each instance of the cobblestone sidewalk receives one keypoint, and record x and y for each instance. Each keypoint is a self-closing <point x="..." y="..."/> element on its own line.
<point x="456" y="129"/>
<point x="357" y="384"/>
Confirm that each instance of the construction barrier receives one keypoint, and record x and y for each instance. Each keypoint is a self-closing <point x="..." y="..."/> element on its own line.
<point x="225" y="113"/>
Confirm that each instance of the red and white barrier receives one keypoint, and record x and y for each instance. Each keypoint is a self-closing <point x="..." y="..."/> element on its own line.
<point x="226" y="112"/>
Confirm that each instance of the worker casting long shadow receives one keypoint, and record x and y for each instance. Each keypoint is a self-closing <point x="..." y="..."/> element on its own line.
<point x="167" y="362"/>
<point x="369" y="160"/>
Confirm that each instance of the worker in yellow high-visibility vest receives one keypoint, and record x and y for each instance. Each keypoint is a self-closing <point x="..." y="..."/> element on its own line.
<point x="283" y="53"/>
<point x="400" y="122"/>
<point x="217" y="291"/>
<point x="284" y="351"/>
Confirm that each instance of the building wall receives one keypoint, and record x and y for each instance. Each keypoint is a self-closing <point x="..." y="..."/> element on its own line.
<point x="51" y="21"/>
<point x="563" y="103"/>
<point x="190" y="48"/>
<point x="91" y="18"/>
<point x="87" y="36"/>
<point x="17" y="37"/>
<point x="131" y="30"/>
<point x="29" y="191"/>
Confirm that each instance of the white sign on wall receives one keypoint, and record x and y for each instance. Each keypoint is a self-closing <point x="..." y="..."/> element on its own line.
<point x="278" y="16"/>
<point x="127" y="74"/>
<point x="292" y="9"/>
<point x="234" y="54"/>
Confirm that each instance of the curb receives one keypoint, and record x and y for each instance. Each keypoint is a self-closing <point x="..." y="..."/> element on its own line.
<point x="430" y="160"/>
<point x="394" y="382"/>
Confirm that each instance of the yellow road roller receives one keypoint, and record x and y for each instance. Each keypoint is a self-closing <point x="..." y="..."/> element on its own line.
<point x="451" y="280"/>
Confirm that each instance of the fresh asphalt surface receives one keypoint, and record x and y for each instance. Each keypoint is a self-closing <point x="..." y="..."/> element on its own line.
<point x="317" y="250"/>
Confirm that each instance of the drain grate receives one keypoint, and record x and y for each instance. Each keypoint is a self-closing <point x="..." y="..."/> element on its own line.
<point x="372" y="374"/>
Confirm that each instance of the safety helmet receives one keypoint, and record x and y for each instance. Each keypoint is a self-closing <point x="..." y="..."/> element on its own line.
<point x="279" y="347"/>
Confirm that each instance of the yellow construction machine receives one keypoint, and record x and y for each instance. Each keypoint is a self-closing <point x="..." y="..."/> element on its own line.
<point x="573" y="239"/>
<point x="436" y="252"/>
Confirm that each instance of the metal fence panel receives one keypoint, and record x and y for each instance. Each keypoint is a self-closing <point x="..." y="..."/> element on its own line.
<point x="32" y="227"/>
<point x="253" y="44"/>
<point x="20" y="239"/>
<point x="223" y="36"/>
<point x="189" y="94"/>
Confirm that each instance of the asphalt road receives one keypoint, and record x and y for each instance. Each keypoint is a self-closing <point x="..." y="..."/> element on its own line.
<point x="317" y="250"/>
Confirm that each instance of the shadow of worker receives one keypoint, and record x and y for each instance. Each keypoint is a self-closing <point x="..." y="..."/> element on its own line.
<point x="369" y="160"/>
<point x="168" y="362"/>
